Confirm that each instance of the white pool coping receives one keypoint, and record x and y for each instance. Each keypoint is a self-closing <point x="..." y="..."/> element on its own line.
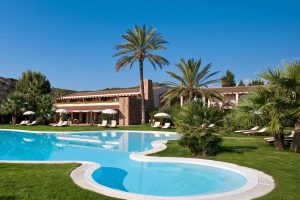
<point x="258" y="183"/>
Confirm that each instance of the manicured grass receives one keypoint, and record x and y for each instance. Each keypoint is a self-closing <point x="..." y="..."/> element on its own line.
<point x="283" y="166"/>
<point x="82" y="128"/>
<point x="41" y="181"/>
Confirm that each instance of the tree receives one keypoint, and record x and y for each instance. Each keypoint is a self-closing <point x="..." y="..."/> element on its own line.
<point x="191" y="82"/>
<point x="241" y="83"/>
<point x="45" y="105"/>
<point x="15" y="104"/>
<point x="265" y="106"/>
<point x="288" y="79"/>
<point x="139" y="45"/>
<point x="33" y="84"/>
<point x="190" y="122"/>
<point x="256" y="82"/>
<point x="228" y="79"/>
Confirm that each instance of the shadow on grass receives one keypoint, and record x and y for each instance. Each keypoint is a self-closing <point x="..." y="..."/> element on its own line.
<point x="8" y="198"/>
<point x="236" y="149"/>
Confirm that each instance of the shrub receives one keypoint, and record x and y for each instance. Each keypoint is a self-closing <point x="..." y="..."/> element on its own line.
<point x="204" y="142"/>
<point x="200" y="140"/>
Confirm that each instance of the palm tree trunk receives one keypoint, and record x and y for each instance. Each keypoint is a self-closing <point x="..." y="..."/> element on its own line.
<point x="279" y="140"/>
<point x="296" y="138"/>
<point x="13" y="118"/>
<point x="142" y="92"/>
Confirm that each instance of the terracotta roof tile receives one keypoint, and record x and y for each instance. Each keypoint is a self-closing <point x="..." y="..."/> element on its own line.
<point x="239" y="89"/>
<point x="104" y="92"/>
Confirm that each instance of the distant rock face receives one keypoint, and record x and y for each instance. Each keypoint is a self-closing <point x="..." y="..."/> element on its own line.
<point x="7" y="85"/>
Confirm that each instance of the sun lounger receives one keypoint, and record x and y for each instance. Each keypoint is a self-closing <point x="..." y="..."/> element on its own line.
<point x="113" y="124"/>
<point x="104" y="123"/>
<point x="211" y="125"/>
<point x="156" y="125"/>
<point x="23" y="122"/>
<point x="252" y="129"/>
<point x="32" y="123"/>
<point x="58" y="124"/>
<point x="167" y="125"/>
<point x="65" y="123"/>
<point x="287" y="139"/>
<point x="259" y="132"/>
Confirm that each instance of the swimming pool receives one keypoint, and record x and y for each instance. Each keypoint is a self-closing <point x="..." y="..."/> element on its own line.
<point x="119" y="171"/>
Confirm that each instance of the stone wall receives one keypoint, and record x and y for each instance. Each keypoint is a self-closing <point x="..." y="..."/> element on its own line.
<point x="129" y="111"/>
<point x="7" y="85"/>
<point x="130" y="107"/>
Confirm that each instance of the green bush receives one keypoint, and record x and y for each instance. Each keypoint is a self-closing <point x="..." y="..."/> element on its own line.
<point x="199" y="139"/>
<point x="204" y="143"/>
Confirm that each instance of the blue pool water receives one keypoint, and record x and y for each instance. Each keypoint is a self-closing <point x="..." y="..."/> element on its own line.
<point x="118" y="171"/>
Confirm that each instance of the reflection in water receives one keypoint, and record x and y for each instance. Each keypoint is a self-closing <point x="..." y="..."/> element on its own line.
<point x="27" y="146"/>
<point x="111" y="150"/>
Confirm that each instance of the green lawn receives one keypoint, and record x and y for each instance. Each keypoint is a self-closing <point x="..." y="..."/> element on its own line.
<point x="41" y="181"/>
<point x="19" y="181"/>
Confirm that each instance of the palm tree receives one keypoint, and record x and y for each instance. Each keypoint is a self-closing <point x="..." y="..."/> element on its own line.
<point x="289" y="80"/>
<point x="266" y="106"/>
<point x="45" y="111"/>
<point x="15" y="105"/>
<point x="228" y="79"/>
<point x="189" y="122"/>
<point x="139" y="45"/>
<point x="191" y="82"/>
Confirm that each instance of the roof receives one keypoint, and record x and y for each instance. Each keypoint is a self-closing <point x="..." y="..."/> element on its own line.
<point x="106" y="93"/>
<point x="237" y="89"/>
<point x="87" y="108"/>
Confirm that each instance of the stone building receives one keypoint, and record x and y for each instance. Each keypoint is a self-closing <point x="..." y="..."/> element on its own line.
<point x="85" y="107"/>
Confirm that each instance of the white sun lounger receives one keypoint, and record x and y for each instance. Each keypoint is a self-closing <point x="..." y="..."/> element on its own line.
<point x="288" y="138"/>
<point x="58" y="124"/>
<point x="104" y="123"/>
<point x="156" y="125"/>
<point x="261" y="131"/>
<point x="32" y="123"/>
<point x="113" y="124"/>
<point x="252" y="129"/>
<point x="24" y="122"/>
<point x="211" y="125"/>
<point x="65" y="123"/>
<point x="166" y="125"/>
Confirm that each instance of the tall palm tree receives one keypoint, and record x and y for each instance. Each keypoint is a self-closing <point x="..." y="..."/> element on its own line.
<point x="266" y="106"/>
<point x="289" y="80"/>
<point x="191" y="82"/>
<point x="14" y="105"/>
<point x="139" y="45"/>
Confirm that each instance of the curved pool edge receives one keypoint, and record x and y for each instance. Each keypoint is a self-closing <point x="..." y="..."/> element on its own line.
<point x="258" y="183"/>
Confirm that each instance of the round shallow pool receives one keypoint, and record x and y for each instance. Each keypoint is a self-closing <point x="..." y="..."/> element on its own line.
<point x="118" y="171"/>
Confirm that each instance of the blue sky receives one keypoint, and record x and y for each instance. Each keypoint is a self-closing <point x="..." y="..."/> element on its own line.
<point x="71" y="41"/>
